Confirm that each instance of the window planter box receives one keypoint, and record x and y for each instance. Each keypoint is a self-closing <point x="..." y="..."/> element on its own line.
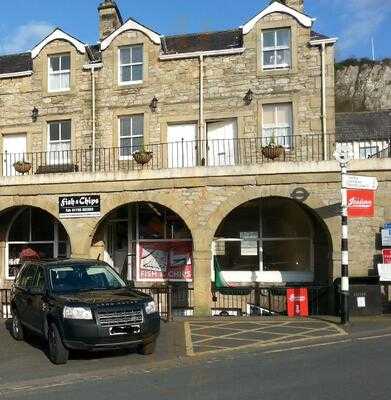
<point x="57" y="169"/>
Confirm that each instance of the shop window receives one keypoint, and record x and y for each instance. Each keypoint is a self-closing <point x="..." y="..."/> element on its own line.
<point x="130" y="64"/>
<point x="272" y="234"/>
<point x="34" y="235"/>
<point x="59" y="73"/>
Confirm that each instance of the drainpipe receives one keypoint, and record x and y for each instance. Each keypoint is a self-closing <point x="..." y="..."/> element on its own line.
<point x="93" y="68"/>
<point x="202" y="136"/>
<point x="324" y="109"/>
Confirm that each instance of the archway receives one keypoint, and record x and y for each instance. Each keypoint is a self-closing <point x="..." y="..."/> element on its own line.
<point x="146" y="243"/>
<point x="273" y="240"/>
<point x="31" y="233"/>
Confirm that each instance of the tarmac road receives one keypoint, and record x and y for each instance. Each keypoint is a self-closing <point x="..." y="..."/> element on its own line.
<point x="350" y="367"/>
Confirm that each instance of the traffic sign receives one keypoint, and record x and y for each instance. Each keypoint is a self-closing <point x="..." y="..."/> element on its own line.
<point x="361" y="203"/>
<point x="359" y="182"/>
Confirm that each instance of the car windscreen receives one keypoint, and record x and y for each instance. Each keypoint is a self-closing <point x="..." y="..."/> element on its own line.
<point x="80" y="277"/>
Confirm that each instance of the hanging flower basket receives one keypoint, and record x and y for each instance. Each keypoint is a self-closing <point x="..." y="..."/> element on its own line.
<point x="22" y="167"/>
<point x="142" y="157"/>
<point x="272" y="151"/>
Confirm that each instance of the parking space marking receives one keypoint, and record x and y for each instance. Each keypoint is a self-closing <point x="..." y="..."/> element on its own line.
<point x="223" y="335"/>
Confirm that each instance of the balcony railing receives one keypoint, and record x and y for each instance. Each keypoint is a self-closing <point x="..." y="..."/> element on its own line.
<point x="187" y="154"/>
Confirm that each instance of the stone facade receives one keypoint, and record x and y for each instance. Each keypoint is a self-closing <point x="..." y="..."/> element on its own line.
<point x="202" y="196"/>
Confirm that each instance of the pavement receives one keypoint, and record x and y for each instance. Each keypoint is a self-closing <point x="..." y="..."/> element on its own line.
<point x="24" y="366"/>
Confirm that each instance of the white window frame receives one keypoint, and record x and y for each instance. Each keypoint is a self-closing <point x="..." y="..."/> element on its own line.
<point x="131" y="64"/>
<point x="288" y="144"/>
<point x="131" y="136"/>
<point x="53" y="154"/>
<point x="276" y="48"/>
<point x="59" y="73"/>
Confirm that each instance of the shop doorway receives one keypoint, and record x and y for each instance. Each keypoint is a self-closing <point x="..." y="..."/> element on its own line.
<point x="149" y="244"/>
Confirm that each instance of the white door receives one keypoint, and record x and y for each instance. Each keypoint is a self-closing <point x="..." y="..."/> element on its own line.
<point x="182" y="143"/>
<point x="14" y="147"/>
<point x="221" y="142"/>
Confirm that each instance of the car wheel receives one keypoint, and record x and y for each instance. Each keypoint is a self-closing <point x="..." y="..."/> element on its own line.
<point x="17" y="327"/>
<point x="147" y="348"/>
<point x="58" y="353"/>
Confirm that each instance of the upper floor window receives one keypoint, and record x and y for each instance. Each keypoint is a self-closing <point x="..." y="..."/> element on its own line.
<point x="59" y="143"/>
<point x="368" y="150"/>
<point x="130" y="64"/>
<point x="131" y="134"/>
<point x="278" y="124"/>
<point x="276" y="48"/>
<point x="59" y="73"/>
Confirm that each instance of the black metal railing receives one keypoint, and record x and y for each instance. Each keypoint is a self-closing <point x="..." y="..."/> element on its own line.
<point x="265" y="301"/>
<point x="187" y="154"/>
<point x="178" y="301"/>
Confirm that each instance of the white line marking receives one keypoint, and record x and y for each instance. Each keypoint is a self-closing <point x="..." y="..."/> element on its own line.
<point x="308" y="346"/>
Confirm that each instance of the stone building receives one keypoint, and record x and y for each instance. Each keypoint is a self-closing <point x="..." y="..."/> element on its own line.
<point x="236" y="133"/>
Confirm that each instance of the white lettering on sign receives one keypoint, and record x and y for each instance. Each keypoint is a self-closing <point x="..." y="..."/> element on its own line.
<point x="292" y="298"/>
<point x="359" y="203"/>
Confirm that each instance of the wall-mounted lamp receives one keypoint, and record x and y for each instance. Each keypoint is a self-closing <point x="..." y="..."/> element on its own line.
<point x="153" y="104"/>
<point x="34" y="114"/>
<point x="248" y="98"/>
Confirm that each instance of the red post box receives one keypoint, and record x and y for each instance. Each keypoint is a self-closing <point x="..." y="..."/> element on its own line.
<point x="297" y="302"/>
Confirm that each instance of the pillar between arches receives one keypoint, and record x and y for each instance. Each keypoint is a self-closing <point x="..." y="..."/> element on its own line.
<point x="202" y="282"/>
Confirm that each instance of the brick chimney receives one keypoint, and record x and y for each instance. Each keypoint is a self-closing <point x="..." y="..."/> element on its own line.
<point x="296" y="4"/>
<point x="110" y="18"/>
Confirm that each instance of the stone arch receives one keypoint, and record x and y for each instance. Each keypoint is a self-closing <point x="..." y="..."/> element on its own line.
<point x="251" y="193"/>
<point x="163" y="199"/>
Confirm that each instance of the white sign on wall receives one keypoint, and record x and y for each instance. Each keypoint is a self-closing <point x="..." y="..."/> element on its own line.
<point x="360" y="182"/>
<point x="249" y="244"/>
<point x="386" y="237"/>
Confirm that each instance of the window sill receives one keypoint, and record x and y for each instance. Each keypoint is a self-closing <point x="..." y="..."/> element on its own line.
<point x="277" y="72"/>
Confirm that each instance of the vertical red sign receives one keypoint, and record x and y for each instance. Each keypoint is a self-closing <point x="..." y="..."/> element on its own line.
<point x="361" y="203"/>
<point x="386" y="256"/>
<point x="297" y="302"/>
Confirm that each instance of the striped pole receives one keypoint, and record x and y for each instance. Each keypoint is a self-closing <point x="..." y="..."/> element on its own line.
<point x="344" y="251"/>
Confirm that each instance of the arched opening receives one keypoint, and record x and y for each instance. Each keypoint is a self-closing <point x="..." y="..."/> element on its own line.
<point x="273" y="240"/>
<point x="146" y="243"/>
<point x="31" y="233"/>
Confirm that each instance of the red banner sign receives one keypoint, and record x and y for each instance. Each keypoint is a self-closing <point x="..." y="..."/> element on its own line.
<point x="165" y="261"/>
<point x="361" y="203"/>
<point x="297" y="302"/>
<point x="386" y="256"/>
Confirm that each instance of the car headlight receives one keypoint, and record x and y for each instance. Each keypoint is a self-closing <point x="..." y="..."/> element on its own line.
<point x="77" y="313"/>
<point x="150" y="307"/>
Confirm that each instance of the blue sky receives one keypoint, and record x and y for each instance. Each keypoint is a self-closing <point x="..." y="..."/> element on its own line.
<point x="24" y="22"/>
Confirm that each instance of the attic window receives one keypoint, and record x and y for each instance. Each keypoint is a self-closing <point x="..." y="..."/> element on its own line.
<point x="276" y="48"/>
<point x="130" y="65"/>
<point x="59" y="73"/>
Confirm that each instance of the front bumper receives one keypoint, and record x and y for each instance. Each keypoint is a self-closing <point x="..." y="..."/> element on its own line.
<point x="88" y="335"/>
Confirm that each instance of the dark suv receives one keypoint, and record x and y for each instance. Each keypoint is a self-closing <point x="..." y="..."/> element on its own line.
<point x="82" y="305"/>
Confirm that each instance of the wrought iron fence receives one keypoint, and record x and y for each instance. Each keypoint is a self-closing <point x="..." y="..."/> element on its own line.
<point x="265" y="301"/>
<point x="186" y="154"/>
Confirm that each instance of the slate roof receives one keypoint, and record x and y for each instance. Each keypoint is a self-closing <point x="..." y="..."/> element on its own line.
<point x="359" y="126"/>
<point x="207" y="41"/>
<point x="176" y="44"/>
<point x="16" y="63"/>
<point x="318" y="36"/>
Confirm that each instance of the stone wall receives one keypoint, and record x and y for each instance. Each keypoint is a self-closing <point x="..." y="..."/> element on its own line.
<point x="205" y="197"/>
<point x="176" y="84"/>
